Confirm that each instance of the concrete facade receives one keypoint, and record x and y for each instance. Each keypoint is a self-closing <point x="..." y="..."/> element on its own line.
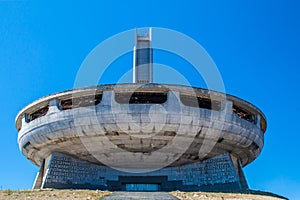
<point x="136" y="121"/>
<point x="215" y="174"/>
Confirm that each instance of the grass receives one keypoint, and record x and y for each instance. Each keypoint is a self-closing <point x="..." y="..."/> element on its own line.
<point x="242" y="195"/>
<point x="46" y="194"/>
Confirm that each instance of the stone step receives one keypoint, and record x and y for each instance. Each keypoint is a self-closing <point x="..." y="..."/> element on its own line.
<point x="140" y="196"/>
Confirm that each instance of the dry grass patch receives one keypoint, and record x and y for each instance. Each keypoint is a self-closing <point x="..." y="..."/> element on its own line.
<point x="221" y="196"/>
<point x="52" y="194"/>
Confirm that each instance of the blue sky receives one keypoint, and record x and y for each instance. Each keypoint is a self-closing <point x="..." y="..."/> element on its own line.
<point x="255" y="45"/>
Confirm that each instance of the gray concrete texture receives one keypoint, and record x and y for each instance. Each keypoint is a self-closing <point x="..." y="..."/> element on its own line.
<point x="119" y="135"/>
<point x="218" y="173"/>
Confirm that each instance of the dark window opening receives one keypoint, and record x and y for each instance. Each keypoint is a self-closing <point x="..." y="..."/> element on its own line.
<point x="220" y="140"/>
<point x="141" y="98"/>
<point x="200" y="102"/>
<point x="242" y="113"/>
<point x="255" y="145"/>
<point x="190" y="157"/>
<point x="39" y="113"/>
<point x="142" y="56"/>
<point x="83" y="101"/>
<point x="26" y="145"/>
<point x="169" y="133"/>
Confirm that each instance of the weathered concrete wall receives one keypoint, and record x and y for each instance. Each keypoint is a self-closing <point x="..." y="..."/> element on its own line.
<point x="123" y="128"/>
<point x="142" y="87"/>
<point x="178" y="143"/>
<point x="216" y="174"/>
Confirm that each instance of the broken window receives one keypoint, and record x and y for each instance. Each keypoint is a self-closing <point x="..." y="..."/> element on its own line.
<point x="200" y="102"/>
<point x="83" y="101"/>
<point x="241" y="113"/>
<point x="141" y="98"/>
<point x="39" y="113"/>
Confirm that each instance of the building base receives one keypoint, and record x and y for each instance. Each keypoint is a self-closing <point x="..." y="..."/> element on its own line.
<point x="220" y="173"/>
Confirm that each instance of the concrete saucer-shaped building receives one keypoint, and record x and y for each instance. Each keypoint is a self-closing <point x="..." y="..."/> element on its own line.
<point x="141" y="135"/>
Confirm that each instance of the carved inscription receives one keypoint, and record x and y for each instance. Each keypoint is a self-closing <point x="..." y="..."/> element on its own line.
<point x="217" y="170"/>
<point x="65" y="170"/>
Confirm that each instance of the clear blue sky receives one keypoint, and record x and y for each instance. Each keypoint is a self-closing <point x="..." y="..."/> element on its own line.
<point x="255" y="45"/>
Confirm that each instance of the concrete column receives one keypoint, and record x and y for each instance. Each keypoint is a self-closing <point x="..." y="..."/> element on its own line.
<point x="108" y="98"/>
<point x="257" y="121"/>
<point x="39" y="177"/>
<point x="226" y="107"/>
<point x="239" y="172"/>
<point x="173" y="102"/>
<point x="45" y="170"/>
<point x="24" y="121"/>
<point x="53" y="106"/>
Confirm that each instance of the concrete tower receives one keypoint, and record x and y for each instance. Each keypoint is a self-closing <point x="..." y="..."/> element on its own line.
<point x="142" y="57"/>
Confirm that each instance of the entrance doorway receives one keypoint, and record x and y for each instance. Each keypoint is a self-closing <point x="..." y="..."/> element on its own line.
<point x="141" y="187"/>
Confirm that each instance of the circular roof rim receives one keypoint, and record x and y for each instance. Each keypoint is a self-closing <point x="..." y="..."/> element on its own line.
<point x="115" y="86"/>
